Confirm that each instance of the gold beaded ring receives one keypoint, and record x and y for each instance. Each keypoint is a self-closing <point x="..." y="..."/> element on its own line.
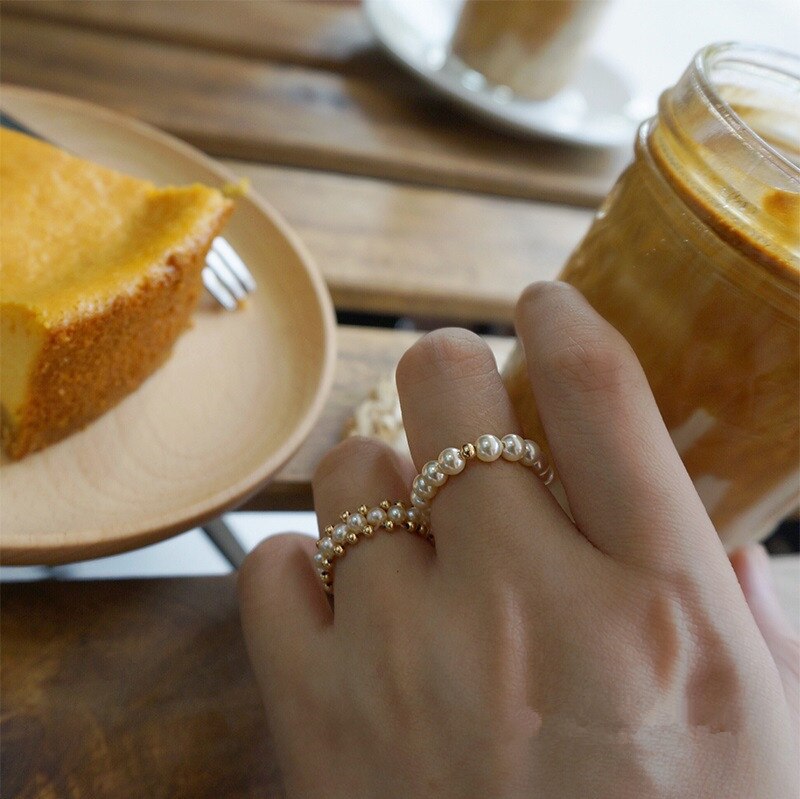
<point x="335" y="540"/>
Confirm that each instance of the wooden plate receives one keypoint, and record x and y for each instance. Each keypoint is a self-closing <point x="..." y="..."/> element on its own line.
<point x="233" y="403"/>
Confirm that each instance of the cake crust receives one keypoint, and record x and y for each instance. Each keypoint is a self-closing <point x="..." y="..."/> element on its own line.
<point x="90" y="364"/>
<point x="75" y="360"/>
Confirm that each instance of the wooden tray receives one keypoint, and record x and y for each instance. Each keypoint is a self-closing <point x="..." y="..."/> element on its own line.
<point x="232" y="404"/>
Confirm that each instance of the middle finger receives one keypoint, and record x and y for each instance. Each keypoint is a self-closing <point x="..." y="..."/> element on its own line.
<point x="451" y="393"/>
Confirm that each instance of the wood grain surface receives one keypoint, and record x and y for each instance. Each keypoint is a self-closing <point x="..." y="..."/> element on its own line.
<point x="390" y="127"/>
<point x="329" y="35"/>
<point x="401" y="249"/>
<point x="142" y="688"/>
<point x="364" y="355"/>
<point x="129" y="689"/>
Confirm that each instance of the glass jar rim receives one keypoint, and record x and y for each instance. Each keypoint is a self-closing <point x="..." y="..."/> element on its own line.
<point x="765" y="59"/>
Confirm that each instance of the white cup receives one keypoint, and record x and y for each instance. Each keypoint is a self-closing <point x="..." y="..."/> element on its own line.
<point x="532" y="46"/>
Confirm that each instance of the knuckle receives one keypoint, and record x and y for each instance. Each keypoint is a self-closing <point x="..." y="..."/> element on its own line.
<point x="534" y="291"/>
<point x="582" y="349"/>
<point x="534" y="294"/>
<point x="449" y="352"/>
<point x="591" y="361"/>
<point x="263" y="564"/>
<point x="368" y="452"/>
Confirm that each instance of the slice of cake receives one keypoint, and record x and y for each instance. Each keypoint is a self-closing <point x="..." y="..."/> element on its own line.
<point x="99" y="274"/>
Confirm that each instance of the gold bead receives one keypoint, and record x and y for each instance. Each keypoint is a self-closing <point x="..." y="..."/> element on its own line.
<point x="408" y="525"/>
<point x="389" y="525"/>
<point x="468" y="451"/>
<point x="338" y="550"/>
<point x="386" y="504"/>
<point x="328" y="588"/>
<point x="352" y="538"/>
<point x="367" y="530"/>
<point x="329" y="529"/>
<point x="362" y="509"/>
<point x="326" y="564"/>
<point x="343" y="516"/>
<point x="319" y="543"/>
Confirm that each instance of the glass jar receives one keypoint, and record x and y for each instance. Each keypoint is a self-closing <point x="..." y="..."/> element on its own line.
<point x="695" y="258"/>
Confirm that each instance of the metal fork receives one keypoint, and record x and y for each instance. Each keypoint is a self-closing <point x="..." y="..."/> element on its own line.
<point x="225" y="275"/>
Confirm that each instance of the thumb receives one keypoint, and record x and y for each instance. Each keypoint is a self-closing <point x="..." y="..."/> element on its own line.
<point x="751" y="564"/>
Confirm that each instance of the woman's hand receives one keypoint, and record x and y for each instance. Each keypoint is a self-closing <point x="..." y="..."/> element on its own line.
<point x="529" y="655"/>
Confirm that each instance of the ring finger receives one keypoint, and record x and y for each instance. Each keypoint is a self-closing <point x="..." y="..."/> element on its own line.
<point x="377" y="569"/>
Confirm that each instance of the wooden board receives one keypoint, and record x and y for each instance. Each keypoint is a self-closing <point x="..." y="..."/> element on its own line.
<point x="129" y="689"/>
<point x="333" y="36"/>
<point x="401" y="249"/>
<point x="364" y="356"/>
<point x="390" y="127"/>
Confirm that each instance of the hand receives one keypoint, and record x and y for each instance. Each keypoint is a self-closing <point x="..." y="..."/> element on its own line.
<point x="529" y="655"/>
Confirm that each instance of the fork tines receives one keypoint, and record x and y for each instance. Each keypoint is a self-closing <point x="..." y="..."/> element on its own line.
<point x="225" y="275"/>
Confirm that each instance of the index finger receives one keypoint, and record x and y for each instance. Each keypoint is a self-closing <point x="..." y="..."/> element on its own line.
<point x="627" y="487"/>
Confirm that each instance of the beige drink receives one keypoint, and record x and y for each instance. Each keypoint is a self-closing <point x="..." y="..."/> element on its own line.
<point x="532" y="46"/>
<point x="695" y="258"/>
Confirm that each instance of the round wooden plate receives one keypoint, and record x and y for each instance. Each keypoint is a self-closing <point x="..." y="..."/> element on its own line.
<point x="235" y="400"/>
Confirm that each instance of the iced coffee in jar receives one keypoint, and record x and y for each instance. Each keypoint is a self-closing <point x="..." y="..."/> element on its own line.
<point x="695" y="258"/>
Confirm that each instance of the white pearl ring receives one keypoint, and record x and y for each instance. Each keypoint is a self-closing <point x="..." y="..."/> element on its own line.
<point x="335" y="539"/>
<point x="487" y="448"/>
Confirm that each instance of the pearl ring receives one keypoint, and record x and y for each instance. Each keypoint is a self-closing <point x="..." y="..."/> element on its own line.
<point x="415" y="518"/>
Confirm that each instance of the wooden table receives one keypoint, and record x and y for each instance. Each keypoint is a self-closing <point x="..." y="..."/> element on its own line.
<point x="409" y="207"/>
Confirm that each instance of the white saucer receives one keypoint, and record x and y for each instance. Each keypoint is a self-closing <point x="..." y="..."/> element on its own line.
<point x="594" y="110"/>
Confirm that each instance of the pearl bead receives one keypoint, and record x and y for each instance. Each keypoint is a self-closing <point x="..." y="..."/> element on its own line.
<point x="488" y="448"/>
<point x="451" y="461"/>
<point x="433" y="474"/>
<point x="396" y="514"/>
<point x="414" y="515"/>
<point x="326" y="548"/>
<point x="513" y="447"/>
<point x="339" y="534"/>
<point x="376" y="517"/>
<point x="355" y="522"/>
<point x="423" y="488"/>
<point x="419" y="502"/>
<point x="320" y="561"/>
<point x="531" y="453"/>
